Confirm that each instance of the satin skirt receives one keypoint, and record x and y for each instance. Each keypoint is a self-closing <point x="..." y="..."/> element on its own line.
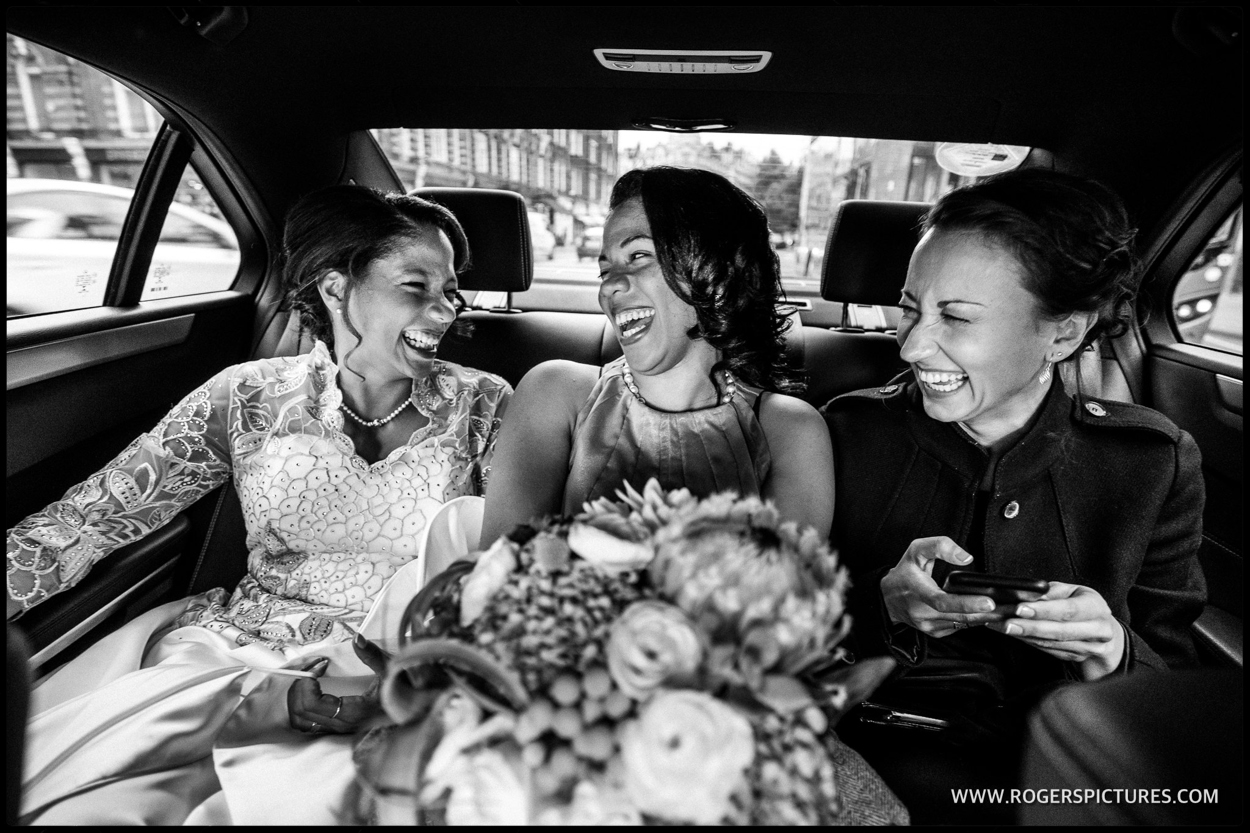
<point x="158" y="724"/>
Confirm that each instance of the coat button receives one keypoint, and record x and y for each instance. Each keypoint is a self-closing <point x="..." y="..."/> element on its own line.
<point x="1011" y="510"/>
<point x="1096" y="409"/>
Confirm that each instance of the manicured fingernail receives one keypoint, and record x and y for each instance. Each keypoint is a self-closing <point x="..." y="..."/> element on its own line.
<point x="966" y="558"/>
<point x="359" y="638"/>
<point x="1024" y="612"/>
<point x="986" y="605"/>
<point x="1011" y="630"/>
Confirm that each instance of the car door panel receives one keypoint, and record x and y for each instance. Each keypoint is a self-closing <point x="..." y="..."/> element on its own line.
<point x="1201" y="391"/>
<point x="1198" y="385"/>
<point x="130" y="581"/>
<point x="1193" y="386"/>
<point x="71" y="387"/>
<point x="81" y="386"/>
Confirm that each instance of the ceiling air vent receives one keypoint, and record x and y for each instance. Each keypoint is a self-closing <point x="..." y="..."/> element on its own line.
<point x="677" y="61"/>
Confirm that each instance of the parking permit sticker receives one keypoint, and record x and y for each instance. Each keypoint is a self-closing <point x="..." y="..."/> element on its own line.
<point x="968" y="159"/>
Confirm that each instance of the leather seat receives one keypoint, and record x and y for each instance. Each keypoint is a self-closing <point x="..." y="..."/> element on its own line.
<point x="507" y="342"/>
<point x="870" y="244"/>
<point x="1151" y="734"/>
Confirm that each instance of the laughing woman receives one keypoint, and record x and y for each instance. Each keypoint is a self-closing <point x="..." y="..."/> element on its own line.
<point x="690" y="286"/>
<point x="979" y="459"/>
<point x="339" y="456"/>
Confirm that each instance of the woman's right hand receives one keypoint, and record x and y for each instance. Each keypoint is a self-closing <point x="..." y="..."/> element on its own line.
<point x="913" y="598"/>
<point x="316" y="713"/>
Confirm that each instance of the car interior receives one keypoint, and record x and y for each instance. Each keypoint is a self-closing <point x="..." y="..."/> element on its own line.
<point x="269" y="103"/>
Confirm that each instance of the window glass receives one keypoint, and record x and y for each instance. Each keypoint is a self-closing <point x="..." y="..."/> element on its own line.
<point x="567" y="177"/>
<point x="76" y="142"/>
<point x="1207" y="302"/>
<point x="197" y="250"/>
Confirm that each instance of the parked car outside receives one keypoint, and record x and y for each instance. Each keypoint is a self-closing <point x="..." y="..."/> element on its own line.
<point x="542" y="238"/>
<point x="61" y="236"/>
<point x="589" y="242"/>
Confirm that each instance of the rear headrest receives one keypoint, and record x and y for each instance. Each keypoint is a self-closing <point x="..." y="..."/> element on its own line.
<point x="870" y="244"/>
<point x="498" y="232"/>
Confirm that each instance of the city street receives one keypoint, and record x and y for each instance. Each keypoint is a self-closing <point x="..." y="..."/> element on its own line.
<point x="565" y="268"/>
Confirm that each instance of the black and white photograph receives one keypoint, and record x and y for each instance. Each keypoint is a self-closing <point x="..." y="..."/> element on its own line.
<point x="584" y="415"/>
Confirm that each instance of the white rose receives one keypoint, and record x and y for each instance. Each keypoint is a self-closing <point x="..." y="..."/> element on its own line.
<point x="652" y="642"/>
<point x="685" y="755"/>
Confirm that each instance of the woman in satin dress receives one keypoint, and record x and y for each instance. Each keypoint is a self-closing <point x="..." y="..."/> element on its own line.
<point x="691" y="288"/>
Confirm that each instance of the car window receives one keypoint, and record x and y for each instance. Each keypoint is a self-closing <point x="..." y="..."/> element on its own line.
<point x="1207" y="301"/>
<point x="567" y="177"/>
<point x="77" y="142"/>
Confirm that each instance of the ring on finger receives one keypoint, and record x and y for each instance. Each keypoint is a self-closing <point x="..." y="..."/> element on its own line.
<point x="959" y="625"/>
<point x="314" y="729"/>
<point x="337" y="709"/>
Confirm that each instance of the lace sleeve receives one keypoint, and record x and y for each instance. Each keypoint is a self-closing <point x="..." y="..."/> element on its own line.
<point x="157" y="476"/>
<point x="493" y="405"/>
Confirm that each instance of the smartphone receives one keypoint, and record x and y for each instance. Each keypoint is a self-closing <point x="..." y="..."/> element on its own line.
<point x="1002" y="589"/>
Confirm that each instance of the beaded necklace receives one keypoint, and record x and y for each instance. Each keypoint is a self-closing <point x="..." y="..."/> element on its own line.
<point x="374" y="423"/>
<point x="728" y="382"/>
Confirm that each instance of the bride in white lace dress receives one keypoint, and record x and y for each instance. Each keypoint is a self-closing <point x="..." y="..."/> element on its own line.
<point x="340" y="457"/>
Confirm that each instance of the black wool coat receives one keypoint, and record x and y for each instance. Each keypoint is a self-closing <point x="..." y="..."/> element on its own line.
<point x="1099" y="493"/>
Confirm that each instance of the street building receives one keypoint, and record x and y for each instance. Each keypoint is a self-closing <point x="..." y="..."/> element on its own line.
<point x="837" y="169"/>
<point x="692" y="151"/>
<point x="65" y="120"/>
<point x="566" y="175"/>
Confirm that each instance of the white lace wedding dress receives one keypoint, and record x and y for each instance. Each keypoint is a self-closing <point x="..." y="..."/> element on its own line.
<point x="180" y="715"/>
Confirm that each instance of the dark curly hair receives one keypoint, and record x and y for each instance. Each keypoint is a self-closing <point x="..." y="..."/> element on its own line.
<point x="711" y="241"/>
<point x="1072" y="236"/>
<point x="344" y="228"/>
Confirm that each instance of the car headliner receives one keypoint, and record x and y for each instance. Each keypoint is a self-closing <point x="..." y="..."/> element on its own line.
<point x="1112" y="92"/>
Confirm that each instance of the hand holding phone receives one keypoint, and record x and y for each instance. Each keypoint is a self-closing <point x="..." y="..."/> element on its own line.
<point x="1004" y="590"/>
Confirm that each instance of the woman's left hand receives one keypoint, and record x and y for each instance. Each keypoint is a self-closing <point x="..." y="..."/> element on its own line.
<point x="1073" y="623"/>
<point x="316" y="713"/>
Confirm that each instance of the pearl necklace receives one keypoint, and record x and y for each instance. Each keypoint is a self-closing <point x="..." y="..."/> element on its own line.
<point x="374" y="423"/>
<point x="727" y="380"/>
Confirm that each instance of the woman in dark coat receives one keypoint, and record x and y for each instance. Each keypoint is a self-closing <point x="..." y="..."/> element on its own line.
<point x="979" y="459"/>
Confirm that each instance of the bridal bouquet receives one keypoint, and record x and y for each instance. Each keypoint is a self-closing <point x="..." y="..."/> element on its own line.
<point x="653" y="660"/>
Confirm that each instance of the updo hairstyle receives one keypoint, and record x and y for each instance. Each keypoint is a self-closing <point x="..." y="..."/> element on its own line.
<point x="1071" y="236"/>
<point x="344" y="228"/>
